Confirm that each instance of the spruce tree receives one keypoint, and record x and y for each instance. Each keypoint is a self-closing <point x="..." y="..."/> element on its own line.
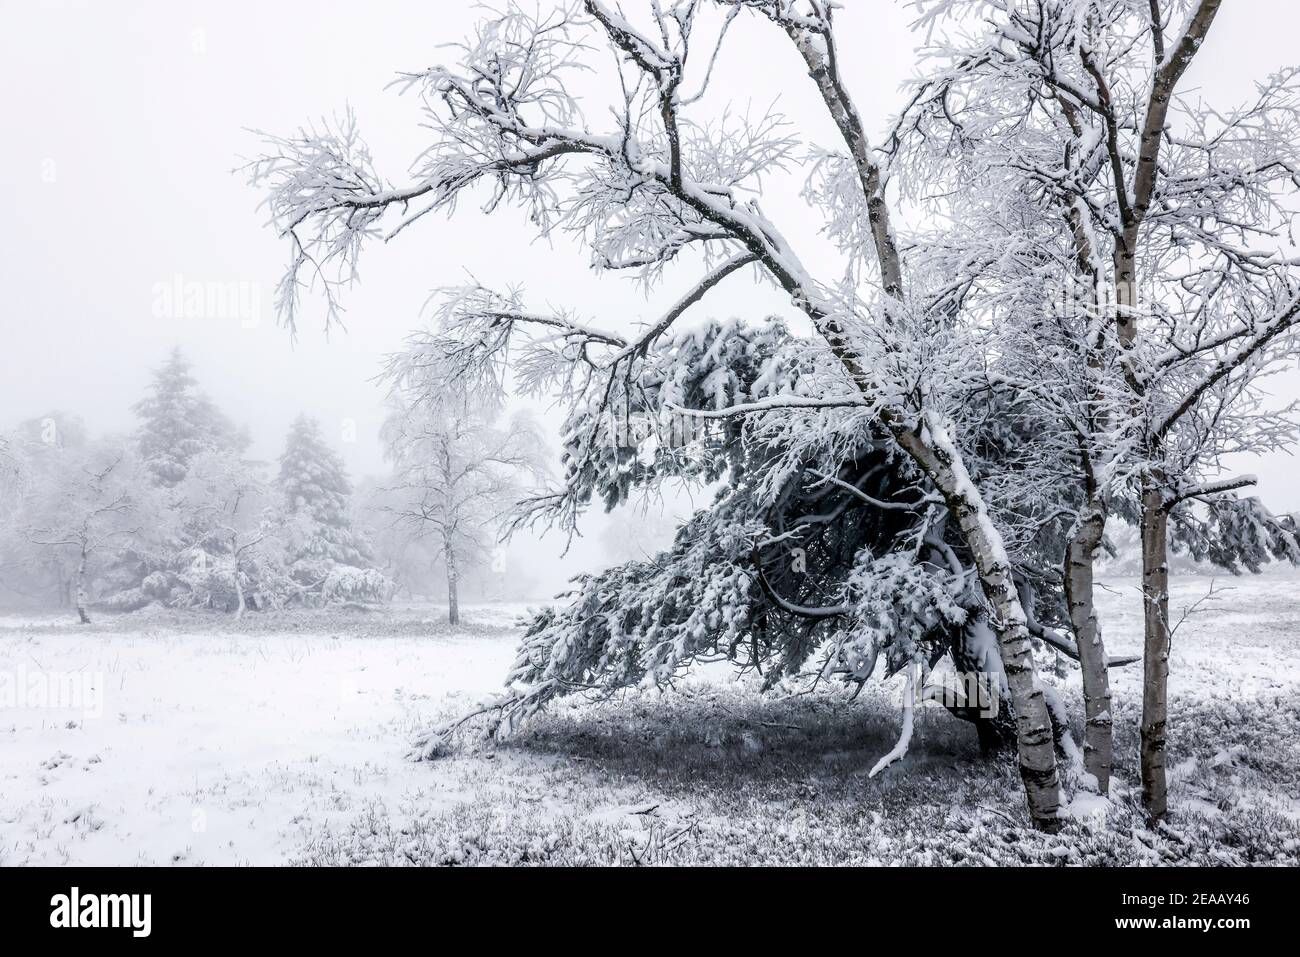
<point x="178" y="422"/>
<point x="327" y="556"/>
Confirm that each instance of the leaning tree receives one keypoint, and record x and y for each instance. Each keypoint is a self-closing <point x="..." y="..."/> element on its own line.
<point x="852" y="519"/>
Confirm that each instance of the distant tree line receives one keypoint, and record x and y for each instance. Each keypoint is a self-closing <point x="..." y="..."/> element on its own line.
<point x="176" y="514"/>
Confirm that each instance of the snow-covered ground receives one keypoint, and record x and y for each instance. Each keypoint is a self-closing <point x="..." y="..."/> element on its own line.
<point x="215" y="746"/>
<point x="283" y="739"/>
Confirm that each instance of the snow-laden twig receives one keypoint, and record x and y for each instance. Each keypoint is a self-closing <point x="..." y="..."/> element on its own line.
<point x="905" y="735"/>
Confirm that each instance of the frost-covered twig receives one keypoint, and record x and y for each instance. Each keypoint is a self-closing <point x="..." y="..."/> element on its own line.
<point x="905" y="734"/>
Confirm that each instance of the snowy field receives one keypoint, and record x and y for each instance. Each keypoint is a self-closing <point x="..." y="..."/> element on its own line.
<point x="283" y="739"/>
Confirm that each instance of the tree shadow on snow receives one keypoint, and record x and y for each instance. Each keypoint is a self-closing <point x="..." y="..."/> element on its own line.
<point x="729" y="738"/>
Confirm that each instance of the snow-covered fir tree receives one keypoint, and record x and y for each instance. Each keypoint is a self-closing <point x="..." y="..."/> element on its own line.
<point x="328" y="558"/>
<point x="178" y="421"/>
<point x="191" y="553"/>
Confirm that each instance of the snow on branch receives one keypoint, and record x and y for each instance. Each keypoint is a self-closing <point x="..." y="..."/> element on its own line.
<point x="1219" y="487"/>
<point x="899" y="750"/>
<point x="773" y="404"/>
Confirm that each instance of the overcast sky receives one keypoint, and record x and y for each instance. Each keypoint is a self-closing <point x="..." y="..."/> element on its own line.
<point x="125" y="121"/>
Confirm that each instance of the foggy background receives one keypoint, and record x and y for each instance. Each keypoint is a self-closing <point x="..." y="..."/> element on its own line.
<point x="126" y="124"/>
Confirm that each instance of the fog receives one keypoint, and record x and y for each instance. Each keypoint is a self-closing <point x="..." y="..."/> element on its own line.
<point x="126" y="126"/>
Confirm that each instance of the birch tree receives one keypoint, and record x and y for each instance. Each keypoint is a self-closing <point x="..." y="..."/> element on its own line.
<point x="654" y="186"/>
<point x="1177" y="221"/>
<point x="36" y="453"/>
<point x="457" y="474"/>
<point x="93" y="504"/>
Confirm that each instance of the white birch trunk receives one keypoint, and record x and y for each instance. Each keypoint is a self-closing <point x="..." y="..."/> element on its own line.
<point x="453" y="585"/>
<point x="81" y="599"/>
<point x="1155" y="659"/>
<point x="239" y="593"/>
<point x="1079" y="591"/>
<point x="1035" y="745"/>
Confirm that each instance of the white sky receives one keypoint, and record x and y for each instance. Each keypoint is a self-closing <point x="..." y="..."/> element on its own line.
<point x="124" y="123"/>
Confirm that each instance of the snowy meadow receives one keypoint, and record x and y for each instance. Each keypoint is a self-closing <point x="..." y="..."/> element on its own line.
<point x="654" y="432"/>
<point x="285" y="739"/>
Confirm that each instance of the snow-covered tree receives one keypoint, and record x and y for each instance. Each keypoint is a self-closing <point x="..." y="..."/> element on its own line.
<point x="1171" y="221"/>
<point x="407" y="558"/>
<point x="96" y="499"/>
<point x="649" y="180"/>
<point x="1071" y="127"/>
<point x="327" y="557"/>
<point x="11" y="476"/>
<point x="38" y="453"/>
<point x="175" y="557"/>
<point x="457" y="470"/>
<point x="233" y="553"/>
<point x="177" y="422"/>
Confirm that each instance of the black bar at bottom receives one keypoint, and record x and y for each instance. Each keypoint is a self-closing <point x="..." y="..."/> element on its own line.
<point x="337" y="907"/>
